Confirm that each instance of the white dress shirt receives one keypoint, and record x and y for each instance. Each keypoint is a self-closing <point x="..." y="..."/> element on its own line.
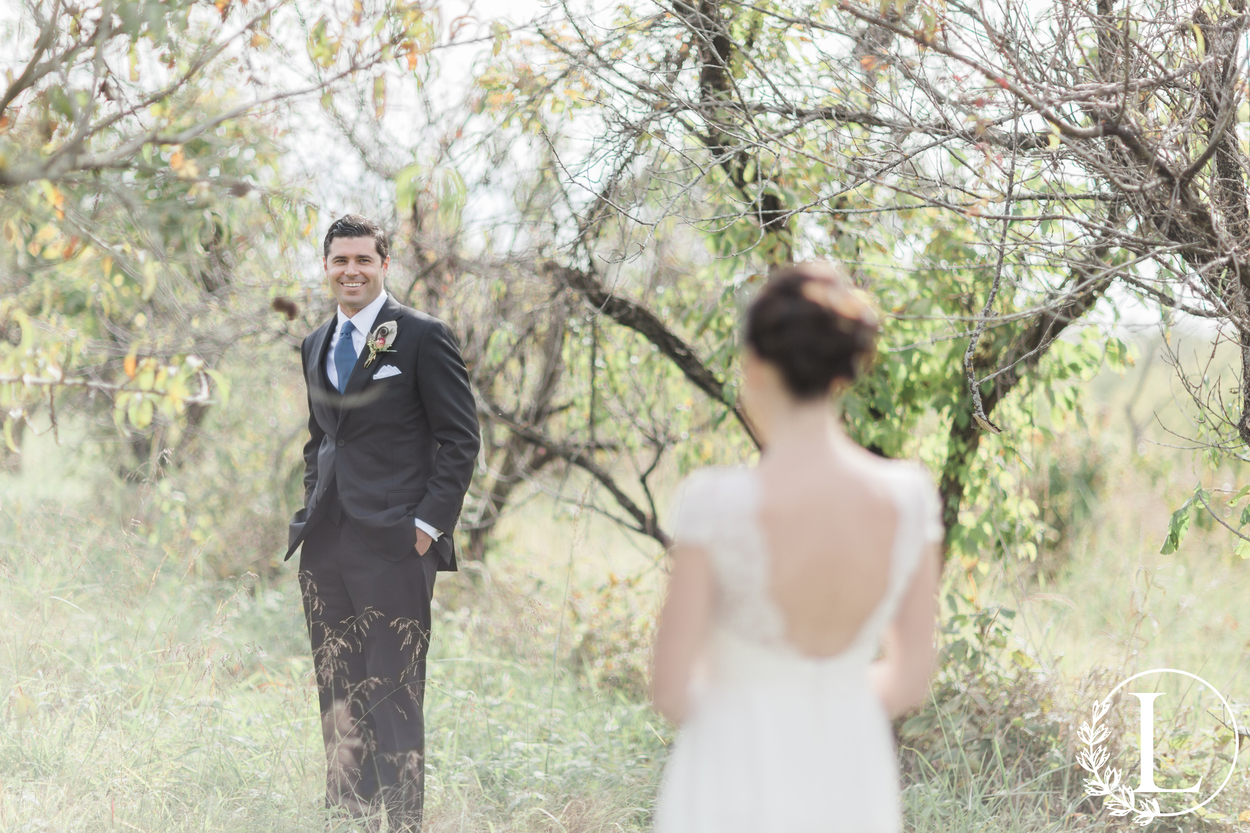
<point x="362" y="323"/>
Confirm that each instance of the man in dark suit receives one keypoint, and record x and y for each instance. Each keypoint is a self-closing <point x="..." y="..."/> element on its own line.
<point x="393" y="440"/>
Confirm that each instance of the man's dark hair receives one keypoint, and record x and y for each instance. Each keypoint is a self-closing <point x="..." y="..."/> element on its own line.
<point x="353" y="225"/>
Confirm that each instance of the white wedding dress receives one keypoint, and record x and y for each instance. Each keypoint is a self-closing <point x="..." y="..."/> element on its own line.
<point x="776" y="741"/>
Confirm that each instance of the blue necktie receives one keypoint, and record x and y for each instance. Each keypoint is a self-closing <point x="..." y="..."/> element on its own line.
<point x="345" y="355"/>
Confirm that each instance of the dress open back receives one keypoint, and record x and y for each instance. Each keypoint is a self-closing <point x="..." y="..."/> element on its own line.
<point x="777" y="740"/>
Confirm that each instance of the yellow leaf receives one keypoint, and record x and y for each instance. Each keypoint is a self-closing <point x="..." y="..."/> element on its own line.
<point x="177" y="389"/>
<point x="177" y="159"/>
<point x="147" y="375"/>
<point x="1202" y="42"/>
<point x="23" y="706"/>
<point x="139" y="415"/>
<point x="149" y="284"/>
<point x="8" y="436"/>
<point x="379" y="95"/>
<point x="130" y="365"/>
<point x="53" y="194"/>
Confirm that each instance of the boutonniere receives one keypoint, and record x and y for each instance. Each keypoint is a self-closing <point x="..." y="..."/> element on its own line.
<point x="381" y="339"/>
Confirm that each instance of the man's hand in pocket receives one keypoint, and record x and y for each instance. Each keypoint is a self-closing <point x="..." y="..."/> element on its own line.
<point x="424" y="541"/>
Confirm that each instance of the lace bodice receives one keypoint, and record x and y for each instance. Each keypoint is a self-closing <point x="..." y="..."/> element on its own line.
<point x="719" y="510"/>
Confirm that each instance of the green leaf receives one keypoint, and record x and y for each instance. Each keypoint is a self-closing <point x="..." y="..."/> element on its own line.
<point x="59" y="101"/>
<point x="147" y="375"/>
<point x="119" y="413"/>
<point x="223" y="387"/>
<point x="1177" y="528"/>
<point x="141" y="413"/>
<point x="917" y="725"/>
<point x="406" y="183"/>
<point x="501" y="34"/>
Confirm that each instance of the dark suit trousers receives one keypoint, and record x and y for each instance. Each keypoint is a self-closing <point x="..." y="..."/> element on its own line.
<point x="369" y="622"/>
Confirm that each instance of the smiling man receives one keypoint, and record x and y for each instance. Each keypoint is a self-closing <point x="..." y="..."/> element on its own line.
<point x="393" y="437"/>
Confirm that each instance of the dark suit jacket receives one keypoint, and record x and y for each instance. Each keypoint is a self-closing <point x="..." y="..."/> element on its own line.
<point x="397" y="448"/>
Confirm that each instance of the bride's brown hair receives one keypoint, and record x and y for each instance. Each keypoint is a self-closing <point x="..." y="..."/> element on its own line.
<point x="810" y="322"/>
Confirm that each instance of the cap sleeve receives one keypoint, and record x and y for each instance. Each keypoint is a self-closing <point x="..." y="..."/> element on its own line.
<point x="692" y="521"/>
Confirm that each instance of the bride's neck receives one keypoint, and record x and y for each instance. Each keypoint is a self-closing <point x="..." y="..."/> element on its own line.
<point x="799" y="426"/>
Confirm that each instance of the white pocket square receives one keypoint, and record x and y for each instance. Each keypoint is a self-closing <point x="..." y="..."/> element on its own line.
<point x="387" y="371"/>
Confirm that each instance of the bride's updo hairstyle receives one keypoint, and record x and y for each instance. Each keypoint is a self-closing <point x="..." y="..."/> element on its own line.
<point x="812" y="325"/>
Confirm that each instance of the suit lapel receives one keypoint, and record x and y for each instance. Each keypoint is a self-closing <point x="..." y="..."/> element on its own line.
<point x="323" y="397"/>
<point x="361" y="374"/>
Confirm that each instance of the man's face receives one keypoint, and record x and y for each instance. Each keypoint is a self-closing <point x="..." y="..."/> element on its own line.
<point x="354" y="272"/>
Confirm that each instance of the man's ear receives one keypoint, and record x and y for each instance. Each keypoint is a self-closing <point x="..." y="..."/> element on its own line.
<point x="386" y="264"/>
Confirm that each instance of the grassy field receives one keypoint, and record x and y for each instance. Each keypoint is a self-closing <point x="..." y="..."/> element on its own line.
<point x="144" y="693"/>
<point x="143" y="698"/>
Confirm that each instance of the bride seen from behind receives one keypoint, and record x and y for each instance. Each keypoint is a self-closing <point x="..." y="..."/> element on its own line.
<point x="787" y="578"/>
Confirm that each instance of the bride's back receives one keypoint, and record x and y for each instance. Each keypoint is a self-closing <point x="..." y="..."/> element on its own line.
<point x="821" y="551"/>
<point x="828" y="523"/>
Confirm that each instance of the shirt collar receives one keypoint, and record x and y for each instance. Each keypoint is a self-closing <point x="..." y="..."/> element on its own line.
<point x="363" y="320"/>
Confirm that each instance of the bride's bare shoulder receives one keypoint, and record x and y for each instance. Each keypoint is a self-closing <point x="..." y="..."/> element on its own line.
<point x="886" y="471"/>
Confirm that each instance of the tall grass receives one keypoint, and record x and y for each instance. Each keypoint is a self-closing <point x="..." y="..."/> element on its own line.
<point x="141" y="697"/>
<point x="144" y="692"/>
<point x="145" y="696"/>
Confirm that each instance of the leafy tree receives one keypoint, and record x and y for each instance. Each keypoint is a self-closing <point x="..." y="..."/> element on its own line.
<point x="600" y="309"/>
<point x="142" y="194"/>
<point x="778" y="133"/>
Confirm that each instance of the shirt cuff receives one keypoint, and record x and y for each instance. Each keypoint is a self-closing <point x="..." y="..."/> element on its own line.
<point x="427" y="529"/>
